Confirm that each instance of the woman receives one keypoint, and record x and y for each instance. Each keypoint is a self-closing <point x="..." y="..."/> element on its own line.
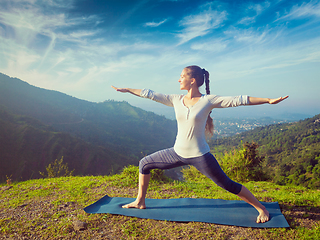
<point x="193" y="117"/>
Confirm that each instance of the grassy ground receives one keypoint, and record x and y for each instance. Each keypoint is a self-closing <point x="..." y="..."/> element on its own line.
<point x="47" y="208"/>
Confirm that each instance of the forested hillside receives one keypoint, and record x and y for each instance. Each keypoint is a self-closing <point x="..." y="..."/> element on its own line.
<point x="27" y="146"/>
<point x="291" y="150"/>
<point x="39" y="126"/>
<point x="127" y="129"/>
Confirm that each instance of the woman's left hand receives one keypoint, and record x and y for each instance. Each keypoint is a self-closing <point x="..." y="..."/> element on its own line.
<point x="277" y="100"/>
<point x="123" y="90"/>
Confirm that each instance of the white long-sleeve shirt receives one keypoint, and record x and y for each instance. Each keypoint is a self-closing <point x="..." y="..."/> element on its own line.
<point x="191" y="141"/>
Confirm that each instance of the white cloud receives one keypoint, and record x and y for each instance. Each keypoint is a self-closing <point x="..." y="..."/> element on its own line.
<point x="33" y="43"/>
<point x="251" y="35"/>
<point x="31" y="18"/>
<point x="212" y="46"/>
<point x="155" y="24"/>
<point x="26" y="24"/>
<point x="258" y="9"/>
<point x="294" y="55"/>
<point x="62" y="4"/>
<point x="247" y="20"/>
<point x="255" y="60"/>
<point x="29" y="21"/>
<point x="18" y="2"/>
<point x="303" y="11"/>
<point x="82" y="34"/>
<point x="200" y="24"/>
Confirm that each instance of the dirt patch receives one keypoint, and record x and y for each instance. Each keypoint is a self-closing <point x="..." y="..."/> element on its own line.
<point x="301" y="216"/>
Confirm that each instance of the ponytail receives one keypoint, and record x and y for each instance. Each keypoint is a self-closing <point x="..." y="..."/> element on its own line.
<point x="209" y="125"/>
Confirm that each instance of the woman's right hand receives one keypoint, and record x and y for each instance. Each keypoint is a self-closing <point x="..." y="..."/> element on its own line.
<point x="128" y="90"/>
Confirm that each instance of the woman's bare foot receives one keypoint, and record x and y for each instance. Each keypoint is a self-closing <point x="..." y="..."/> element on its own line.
<point x="263" y="216"/>
<point x="135" y="204"/>
<point x="248" y="197"/>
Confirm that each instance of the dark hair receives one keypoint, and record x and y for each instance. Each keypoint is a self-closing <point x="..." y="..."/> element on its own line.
<point x="201" y="75"/>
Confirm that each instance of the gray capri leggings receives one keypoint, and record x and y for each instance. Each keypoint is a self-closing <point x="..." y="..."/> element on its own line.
<point x="206" y="164"/>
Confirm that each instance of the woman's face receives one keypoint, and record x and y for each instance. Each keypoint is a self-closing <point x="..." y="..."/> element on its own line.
<point x="185" y="80"/>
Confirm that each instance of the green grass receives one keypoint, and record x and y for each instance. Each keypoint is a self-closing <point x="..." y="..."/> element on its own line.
<point x="46" y="208"/>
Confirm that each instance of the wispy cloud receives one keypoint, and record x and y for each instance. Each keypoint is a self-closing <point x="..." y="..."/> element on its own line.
<point x="305" y="10"/>
<point x="259" y="62"/>
<point x="198" y="25"/>
<point x="81" y="34"/>
<point x="250" y="35"/>
<point x="32" y="20"/>
<point x="257" y="9"/>
<point x="38" y="41"/>
<point x="155" y="24"/>
<point x="247" y="20"/>
<point x="216" y="45"/>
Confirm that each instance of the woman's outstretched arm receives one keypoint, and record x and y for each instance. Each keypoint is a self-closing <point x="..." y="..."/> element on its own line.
<point x="257" y="101"/>
<point x="128" y="90"/>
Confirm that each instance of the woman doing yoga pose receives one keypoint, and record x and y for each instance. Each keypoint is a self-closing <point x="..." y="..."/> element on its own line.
<point x="193" y="118"/>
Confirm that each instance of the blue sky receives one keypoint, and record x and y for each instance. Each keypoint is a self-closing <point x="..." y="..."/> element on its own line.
<point x="81" y="47"/>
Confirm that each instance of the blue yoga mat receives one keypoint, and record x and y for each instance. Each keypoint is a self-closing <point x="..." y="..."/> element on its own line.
<point x="225" y="212"/>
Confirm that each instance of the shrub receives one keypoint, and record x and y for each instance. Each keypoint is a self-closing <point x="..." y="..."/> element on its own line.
<point x="57" y="169"/>
<point x="244" y="164"/>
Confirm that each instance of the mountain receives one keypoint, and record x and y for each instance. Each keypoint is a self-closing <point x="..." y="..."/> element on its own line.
<point x="119" y="125"/>
<point x="109" y="126"/>
<point x="291" y="150"/>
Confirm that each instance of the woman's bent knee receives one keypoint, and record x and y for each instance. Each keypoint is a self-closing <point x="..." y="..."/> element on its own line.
<point x="232" y="187"/>
<point x="143" y="169"/>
